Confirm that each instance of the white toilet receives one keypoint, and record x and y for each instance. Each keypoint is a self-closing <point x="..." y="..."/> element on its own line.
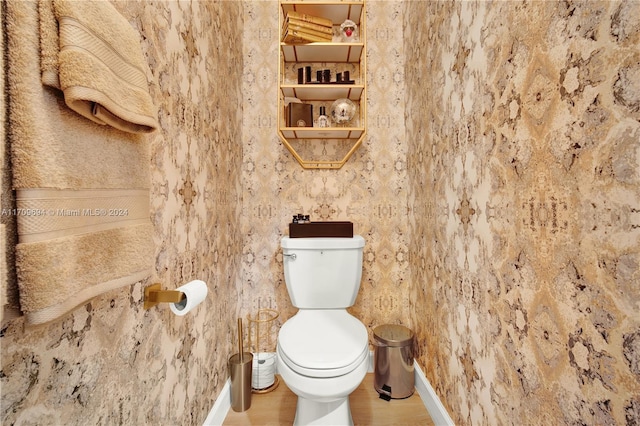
<point x="323" y="351"/>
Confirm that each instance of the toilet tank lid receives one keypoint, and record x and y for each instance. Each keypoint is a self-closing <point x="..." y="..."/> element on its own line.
<point x="322" y="243"/>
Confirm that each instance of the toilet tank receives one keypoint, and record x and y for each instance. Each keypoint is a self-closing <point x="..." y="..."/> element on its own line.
<point x="322" y="273"/>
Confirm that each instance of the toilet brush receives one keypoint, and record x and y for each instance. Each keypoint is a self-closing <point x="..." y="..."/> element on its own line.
<point x="240" y="349"/>
<point x="240" y="367"/>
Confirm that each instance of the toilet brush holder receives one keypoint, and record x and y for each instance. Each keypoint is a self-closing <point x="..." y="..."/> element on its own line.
<point x="241" y="367"/>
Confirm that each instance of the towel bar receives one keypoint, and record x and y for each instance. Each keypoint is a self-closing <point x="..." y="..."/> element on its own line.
<point x="154" y="294"/>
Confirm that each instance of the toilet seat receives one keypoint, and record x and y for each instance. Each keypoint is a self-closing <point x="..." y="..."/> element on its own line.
<point x="323" y="343"/>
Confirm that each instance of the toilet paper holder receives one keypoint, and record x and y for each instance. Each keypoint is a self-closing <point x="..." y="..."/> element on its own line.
<point x="154" y="294"/>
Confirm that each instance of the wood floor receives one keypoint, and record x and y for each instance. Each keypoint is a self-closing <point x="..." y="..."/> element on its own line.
<point x="279" y="408"/>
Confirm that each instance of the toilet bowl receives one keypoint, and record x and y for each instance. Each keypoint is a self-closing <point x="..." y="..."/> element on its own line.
<point x="323" y="356"/>
<point x="322" y="351"/>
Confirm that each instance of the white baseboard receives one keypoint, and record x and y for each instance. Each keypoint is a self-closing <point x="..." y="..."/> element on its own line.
<point x="221" y="407"/>
<point x="428" y="396"/>
<point x="430" y="399"/>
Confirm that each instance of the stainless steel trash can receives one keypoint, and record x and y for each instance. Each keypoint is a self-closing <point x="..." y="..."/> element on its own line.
<point x="393" y="357"/>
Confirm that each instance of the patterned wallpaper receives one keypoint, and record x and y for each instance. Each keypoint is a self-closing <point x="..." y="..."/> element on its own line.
<point x="497" y="190"/>
<point x="110" y="361"/>
<point x="523" y="136"/>
<point x="370" y="190"/>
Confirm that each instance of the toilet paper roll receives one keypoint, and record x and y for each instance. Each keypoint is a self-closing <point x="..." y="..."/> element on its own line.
<point x="264" y="359"/>
<point x="195" y="292"/>
<point x="264" y="370"/>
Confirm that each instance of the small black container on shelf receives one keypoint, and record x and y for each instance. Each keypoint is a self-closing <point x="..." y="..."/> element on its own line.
<point x="307" y="74"/>
<point x="326" y="76"/>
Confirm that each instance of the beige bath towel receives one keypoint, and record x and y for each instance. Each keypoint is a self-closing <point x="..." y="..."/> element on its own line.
<point x="3" y="239"/>
<point x="49" y="44"/>
<point x="91" y="53"/>
<point x="82" y="190"/>
<point x="3" y="272"/>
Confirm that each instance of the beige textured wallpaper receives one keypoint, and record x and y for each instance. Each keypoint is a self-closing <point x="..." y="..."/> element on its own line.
<point x="370" y="190"/>
<point x="523" y="136"/>
<point x="497" y="190"/>
<point x="110" y="361"/>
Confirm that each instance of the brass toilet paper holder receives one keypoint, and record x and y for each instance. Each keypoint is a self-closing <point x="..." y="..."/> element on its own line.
<point x="154" y="294"/>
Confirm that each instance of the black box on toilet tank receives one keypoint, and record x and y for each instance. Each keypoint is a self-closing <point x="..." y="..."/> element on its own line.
<point x="321" y="229"/>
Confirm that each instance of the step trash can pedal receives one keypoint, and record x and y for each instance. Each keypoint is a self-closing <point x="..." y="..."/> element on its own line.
<point x="385" y="393"/>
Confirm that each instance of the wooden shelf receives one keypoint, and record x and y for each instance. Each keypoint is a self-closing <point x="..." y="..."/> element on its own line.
<point x="323" y="92"/>
<point x="322" y="52"/>
<point x="325" y="53"/>
<point x="322" y="133"/>
<point x="337" y="11"/>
